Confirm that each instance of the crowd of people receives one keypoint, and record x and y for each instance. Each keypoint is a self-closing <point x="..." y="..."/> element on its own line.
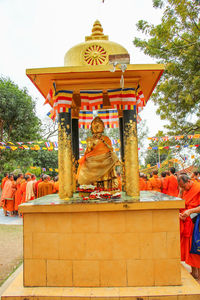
<point x="167" y="183"/>
<point x="23" y="188"/>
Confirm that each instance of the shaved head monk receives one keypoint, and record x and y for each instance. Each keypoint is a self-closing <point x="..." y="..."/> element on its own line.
<point x="155" y="182"/>
<point x="191" y="195"/>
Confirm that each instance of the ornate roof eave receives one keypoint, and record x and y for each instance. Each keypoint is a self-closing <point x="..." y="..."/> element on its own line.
<point x="96" y="78"/>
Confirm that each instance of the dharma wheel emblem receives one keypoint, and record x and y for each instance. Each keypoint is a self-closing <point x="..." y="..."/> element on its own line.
<point x="95" y="55"/>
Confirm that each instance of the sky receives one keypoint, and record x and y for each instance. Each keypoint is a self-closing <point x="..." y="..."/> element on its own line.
<point x="38" y="33"/>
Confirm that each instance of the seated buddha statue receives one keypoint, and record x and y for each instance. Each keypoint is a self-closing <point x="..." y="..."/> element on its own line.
<point x="97" y="166"/>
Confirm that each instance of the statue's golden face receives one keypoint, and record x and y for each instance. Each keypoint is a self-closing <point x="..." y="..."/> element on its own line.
<point x="97" y="126"/>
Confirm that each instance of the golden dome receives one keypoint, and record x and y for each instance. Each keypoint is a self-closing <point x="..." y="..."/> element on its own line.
<point x="95" y="50"/>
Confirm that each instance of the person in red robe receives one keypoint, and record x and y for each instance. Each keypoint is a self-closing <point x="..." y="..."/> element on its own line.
<point x="164" y="179"/>
<point x="172" y="187"/>
<point x="7" y="196"/>
<point x="191" y="195"/>
<point x="155" y="182"/>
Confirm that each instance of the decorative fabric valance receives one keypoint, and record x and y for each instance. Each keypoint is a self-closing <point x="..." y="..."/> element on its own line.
<point x="109" y="117"/>
<point x="125" y="99"/>
<point x="85" y="119"/>
<point x="91" y="100"/>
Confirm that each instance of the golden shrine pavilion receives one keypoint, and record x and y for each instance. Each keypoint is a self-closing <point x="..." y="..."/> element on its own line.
<point x="87" y="68"/>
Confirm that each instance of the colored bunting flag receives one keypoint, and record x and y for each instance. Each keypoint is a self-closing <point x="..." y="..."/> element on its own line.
<point x="55" y="144"/>
<point x="109" y="117"/>
<point x="48" y="144"/>
<point x="91" y="100"/>
<point x="85" y="119"/>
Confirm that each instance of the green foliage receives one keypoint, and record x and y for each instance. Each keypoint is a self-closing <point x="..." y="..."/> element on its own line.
<point x="175" y="42"/>
<point x="46" y="159"/>
<point x="18" y="120"/>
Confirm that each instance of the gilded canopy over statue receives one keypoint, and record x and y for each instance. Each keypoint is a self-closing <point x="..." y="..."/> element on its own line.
<point x="97" y="166"/>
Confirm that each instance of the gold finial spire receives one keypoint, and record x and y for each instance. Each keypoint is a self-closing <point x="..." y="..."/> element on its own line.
<point x="97" y="32"/>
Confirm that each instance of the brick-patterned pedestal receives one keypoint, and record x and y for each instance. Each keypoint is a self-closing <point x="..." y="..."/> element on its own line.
<point x="102" y="245"/>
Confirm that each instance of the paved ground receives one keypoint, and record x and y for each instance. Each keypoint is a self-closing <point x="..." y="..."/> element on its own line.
<point x="15" y="220"/>
<point x="11" y="244"/>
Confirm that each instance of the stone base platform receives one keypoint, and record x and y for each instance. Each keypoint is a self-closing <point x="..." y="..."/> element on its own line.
<point x="189" y="290"/>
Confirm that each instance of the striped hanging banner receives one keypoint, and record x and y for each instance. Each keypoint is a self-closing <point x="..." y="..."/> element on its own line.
<point x="140" y="100"/>
<point x="115" y="97"/>
<point x="85" y="119"/>
<point x="49" y="99"/>
<point x="109" y="117"/>
<point x="62" y="100"/>
<point x="128" y="98"/>
<point x="91" y="100"/>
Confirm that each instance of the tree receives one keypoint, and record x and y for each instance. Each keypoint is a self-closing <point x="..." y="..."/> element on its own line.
<point x="17" y="113"/>
<point x="18" y="122"/>
<point x="175" y="42"/>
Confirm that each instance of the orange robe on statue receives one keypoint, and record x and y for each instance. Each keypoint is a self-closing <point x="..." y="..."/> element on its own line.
<point x="192" y="199"/>
<point x="155" y="183"/>
<point x="172" y="188"/>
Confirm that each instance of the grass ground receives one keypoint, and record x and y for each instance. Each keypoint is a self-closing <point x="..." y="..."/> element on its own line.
<point x="11" y="249"/>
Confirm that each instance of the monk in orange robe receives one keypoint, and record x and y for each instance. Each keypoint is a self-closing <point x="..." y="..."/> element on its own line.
<point x="142" y="183"/>
<point x="23" y="188"/>
<point x="56" y="185"/>
<point x="4" y="180"/>
<point x="7" y="196"/>
<point x="18" y="196"/>
<point x="45" y="187"/>
<point x="147" y="183"/>
<point x="172" y="187"/>
<point x="36" y="185"/>
<point x="164" y="180"/>
<point x="155" y="182"/>
<point x="191" y="195"/>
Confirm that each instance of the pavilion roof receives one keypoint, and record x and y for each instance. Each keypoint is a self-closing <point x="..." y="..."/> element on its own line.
<point x="96" y="78"/>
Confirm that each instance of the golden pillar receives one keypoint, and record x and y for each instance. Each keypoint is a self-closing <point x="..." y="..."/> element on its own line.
<point x="65" y="156"/>
<point x="131" y="154"/>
